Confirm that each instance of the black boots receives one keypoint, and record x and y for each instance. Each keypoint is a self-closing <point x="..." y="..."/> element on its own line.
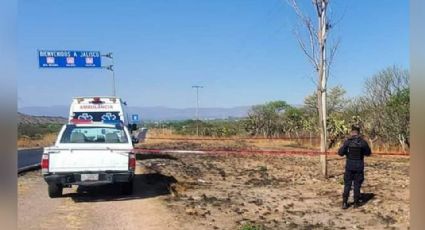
<point x="356" y="204"/>
<point x="345" y="201"/>
<point x="357" y="199"/>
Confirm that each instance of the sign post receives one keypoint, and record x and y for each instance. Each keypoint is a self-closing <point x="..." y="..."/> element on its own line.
<point x="110" y="68"/>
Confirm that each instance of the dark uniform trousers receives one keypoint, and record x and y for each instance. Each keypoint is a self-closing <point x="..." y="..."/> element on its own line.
<point x="353" y="178"/>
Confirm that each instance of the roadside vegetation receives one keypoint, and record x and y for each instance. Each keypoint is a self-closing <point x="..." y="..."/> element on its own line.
<point x="37" y="135"/>
<point x="249" y="226"/>
<point x="382" y="112"/>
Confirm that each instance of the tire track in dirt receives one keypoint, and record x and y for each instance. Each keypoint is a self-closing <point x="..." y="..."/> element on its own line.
<point x="95" y="207"/>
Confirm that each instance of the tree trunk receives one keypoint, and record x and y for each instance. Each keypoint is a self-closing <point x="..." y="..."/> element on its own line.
<point x="310" y="140"/>
<point x="322" y="87"/>
<point x="372" y="143"/>
<point x="319" y="58"/>
<point x="322" y="118"/>
<point x="402" y="141"/>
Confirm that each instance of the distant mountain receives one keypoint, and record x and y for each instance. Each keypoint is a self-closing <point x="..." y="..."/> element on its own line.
<point x="149" y="113"/>
<point x="28" y="119"/>
<point x="56" y="111"/>
<point x="165" y="113"/>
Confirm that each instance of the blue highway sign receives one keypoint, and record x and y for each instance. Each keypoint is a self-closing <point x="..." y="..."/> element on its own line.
<point x="135" y="117"/>
<point x="69" y="59"/>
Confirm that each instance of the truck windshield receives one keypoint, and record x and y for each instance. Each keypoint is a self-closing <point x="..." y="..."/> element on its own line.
<point x="79" y="134"/>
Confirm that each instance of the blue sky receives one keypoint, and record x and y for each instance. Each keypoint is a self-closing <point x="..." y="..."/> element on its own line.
<point x="243" y="51"/>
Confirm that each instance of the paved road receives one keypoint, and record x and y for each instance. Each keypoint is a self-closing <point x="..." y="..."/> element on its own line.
<point x="27" y="157"/>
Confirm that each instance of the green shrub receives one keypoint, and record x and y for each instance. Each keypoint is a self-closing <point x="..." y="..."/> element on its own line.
<point x="37" y="131"/>
<point x="249" y="226"/>
<point x="214" y="128"/>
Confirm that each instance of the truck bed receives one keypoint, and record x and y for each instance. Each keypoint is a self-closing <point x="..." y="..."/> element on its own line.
<point x="78" y="159"/>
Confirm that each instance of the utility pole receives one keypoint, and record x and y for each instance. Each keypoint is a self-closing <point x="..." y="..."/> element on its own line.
<point x="110" y="68"/>
<point x="197" y="107"/>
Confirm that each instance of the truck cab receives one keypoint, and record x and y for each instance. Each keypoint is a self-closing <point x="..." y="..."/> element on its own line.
<point x="106" y="109"/>
<point x="97" y="109"/>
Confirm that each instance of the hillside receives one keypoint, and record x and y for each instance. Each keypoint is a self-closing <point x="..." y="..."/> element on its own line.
<point x="29" y="119"/>
<point x="149" y="113"/>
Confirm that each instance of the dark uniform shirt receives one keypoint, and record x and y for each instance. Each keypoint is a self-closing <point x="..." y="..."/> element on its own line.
<point x="354" y="148"/>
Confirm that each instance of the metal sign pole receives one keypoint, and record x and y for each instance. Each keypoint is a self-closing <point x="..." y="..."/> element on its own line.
<point x="110" y="68"/>
<point x="113" y="80"/>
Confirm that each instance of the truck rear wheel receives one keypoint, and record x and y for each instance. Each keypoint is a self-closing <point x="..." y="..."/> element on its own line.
<point x="55" y="190"/>
<point x="127" y="188"/>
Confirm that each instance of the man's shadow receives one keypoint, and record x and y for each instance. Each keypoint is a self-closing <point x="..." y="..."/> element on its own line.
<point x="366" y="197"/>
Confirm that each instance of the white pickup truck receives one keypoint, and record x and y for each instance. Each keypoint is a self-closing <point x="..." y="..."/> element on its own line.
<point x="89" y="154"/>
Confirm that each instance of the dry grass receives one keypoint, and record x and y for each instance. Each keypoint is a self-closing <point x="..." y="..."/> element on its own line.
<point x="172" y="140"/>
<point x="167" y="139"/>
<point x="46" y="140"/>
<point x="282" y="192"/>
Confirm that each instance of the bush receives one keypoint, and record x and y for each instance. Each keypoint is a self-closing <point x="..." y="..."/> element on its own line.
<point x="251" y="227"/>
<point x="37" y="131"/>
<point x="215" y="128"/>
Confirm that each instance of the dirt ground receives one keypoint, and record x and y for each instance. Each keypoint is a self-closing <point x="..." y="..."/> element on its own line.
<point x="227" y="192"/>
<point x="96" y="207"/>
<point x="196" y="191"/>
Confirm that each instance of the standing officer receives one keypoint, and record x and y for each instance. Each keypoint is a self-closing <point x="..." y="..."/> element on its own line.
<point x="354" y="148"/>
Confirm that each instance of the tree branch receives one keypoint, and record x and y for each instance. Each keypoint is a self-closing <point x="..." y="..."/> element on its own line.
<point x="310" y="56"/>
<point x="332" y="52"/>
<point x="312" y="34"/>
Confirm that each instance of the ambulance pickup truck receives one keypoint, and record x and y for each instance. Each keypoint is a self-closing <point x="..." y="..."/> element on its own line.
<point x="89" y="153"/>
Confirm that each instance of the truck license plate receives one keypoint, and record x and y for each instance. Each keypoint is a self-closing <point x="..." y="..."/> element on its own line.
<point x="86" y="177"/>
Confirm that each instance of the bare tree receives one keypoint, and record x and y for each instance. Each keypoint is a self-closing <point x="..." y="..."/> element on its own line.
<point x="315" y="47"/>
<point x="386" y="104"/>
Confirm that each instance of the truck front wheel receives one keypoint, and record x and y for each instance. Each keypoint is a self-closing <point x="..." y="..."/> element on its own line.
<point x="55" y="190"/>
